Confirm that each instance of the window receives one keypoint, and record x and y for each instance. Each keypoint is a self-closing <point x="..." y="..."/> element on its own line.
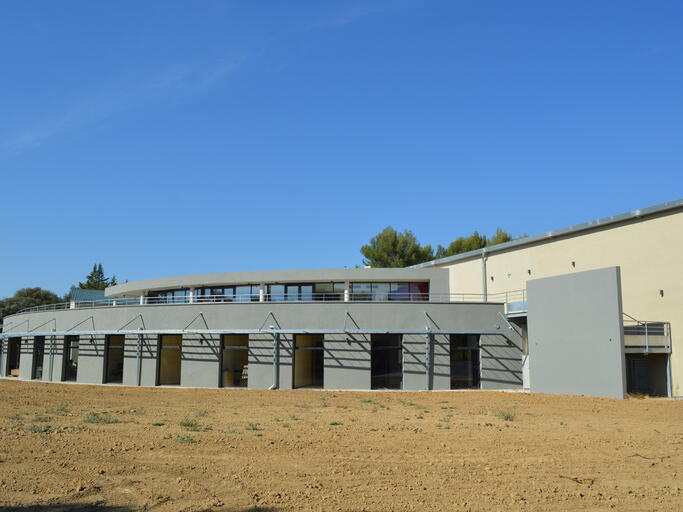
<point x="169" y="297"/>
<point x="390" y="291"/>
<point x="328" y="291"/>
<point x="247" y="293"/>
<point x="219" y="294"/>
<point x="70" y="358"/>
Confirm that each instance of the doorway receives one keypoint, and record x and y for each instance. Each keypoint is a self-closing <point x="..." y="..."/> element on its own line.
<point x="38" y="357"/>
<point x="70" y="358"/>
<point x="169" y="361"/>
<point x="647" y="374"/>
<point x="113" y="359"/>
<point x="235" y="360"/>
<point x="386" y="361"/>
<point x="13" y="356"/>
<point x="309" y="361"/>
<point x="464" y="350"/>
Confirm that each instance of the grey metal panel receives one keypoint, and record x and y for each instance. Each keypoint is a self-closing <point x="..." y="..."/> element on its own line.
<point x="438" y="279"/>
<point x="576" y="334"/>
<point x="632" y="216"/>
<point x="347" y="361"/>
<point x="200" y="363"/>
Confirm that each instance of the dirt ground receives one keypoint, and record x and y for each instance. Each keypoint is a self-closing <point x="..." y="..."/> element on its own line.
<point x="75" y="447"/>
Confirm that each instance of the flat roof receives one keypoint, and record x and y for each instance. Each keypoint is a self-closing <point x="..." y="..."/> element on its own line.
<point x="135" y="288"/>
<point x="578" y="228"/>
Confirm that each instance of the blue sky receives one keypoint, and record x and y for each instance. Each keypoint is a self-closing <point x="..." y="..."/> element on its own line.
<point x="167" y="138"/>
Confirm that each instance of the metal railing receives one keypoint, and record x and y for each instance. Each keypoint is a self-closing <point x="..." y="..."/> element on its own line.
<point x="646" y="335"/>
<point x="509" y="297"/>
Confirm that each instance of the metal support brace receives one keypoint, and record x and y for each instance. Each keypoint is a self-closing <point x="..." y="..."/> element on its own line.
<point x="428" y="361"/>
<point x="139" y="354"/>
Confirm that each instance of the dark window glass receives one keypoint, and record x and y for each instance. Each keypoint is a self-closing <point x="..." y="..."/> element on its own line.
<point x="276" y="292"/>
<point x="419" y="291"/>
<point x="464" y="358"/>
<point x="361" y="291"/>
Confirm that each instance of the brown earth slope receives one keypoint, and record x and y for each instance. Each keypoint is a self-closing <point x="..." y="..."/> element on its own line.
<point x="187" y="449"/>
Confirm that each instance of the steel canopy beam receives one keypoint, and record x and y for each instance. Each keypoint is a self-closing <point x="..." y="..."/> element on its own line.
<point x="251" y="331"/>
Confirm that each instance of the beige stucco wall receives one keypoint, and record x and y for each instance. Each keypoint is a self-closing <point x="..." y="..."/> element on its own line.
<point x="648" y="250"/>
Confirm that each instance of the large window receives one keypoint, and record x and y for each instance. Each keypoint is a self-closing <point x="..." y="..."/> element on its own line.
<point x="390" y="291"/>
<point x="169" y="297"/>
<point x="215" y="294"/>
<point x="306" y="292"/>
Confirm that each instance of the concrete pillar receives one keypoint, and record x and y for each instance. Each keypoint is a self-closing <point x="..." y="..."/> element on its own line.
<point x="347" y="291"/>
<point x="142" y="300"/>
<point x="72" y="304"/>
<point x="262" y="292"/>
<point x="192" y="296"/>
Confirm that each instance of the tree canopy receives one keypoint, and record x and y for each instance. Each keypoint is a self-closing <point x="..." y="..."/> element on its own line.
<point x="26" y="298"/>
<point x="96" y="280"/>
<point x="392" y="249"/>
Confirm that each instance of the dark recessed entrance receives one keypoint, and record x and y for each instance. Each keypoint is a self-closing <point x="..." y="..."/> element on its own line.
<point x="170" y="356"/>
<point x="386" y="361"/>
<point x="38" y="357"/>
<point x="464" y="361"/>
<point x="13" y="356"/>
<point x="113" y="359"/>
<point x="70" y="370"/>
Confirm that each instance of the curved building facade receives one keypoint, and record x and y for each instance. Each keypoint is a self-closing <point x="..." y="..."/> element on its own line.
<point x="328" y="329"/>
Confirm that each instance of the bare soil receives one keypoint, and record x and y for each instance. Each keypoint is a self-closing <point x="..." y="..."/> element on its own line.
<point x="75" y="447"/>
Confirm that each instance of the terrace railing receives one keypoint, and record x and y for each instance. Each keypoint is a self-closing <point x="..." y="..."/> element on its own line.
<point x="510" y="297"/>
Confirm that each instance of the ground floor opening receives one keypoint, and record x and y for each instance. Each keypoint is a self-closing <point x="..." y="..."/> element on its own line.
<point x="13" y="357"/>
<point x="464" y="355"/>
<point x="113" y="359"/>
<point x="70" y="358"/>
<point x="38" y="357"/>
<point x="647" y="374"/>
<point x="169" y="360"/>
<point x="386" y="361"/>
<point x="309" y="361"/>
<point x="235" y="360"/>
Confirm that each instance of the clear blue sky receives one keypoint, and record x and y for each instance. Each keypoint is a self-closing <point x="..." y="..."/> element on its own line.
<point x="165" y="138"/>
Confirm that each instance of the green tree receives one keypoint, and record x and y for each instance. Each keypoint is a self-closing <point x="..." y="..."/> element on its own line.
<point x="500" y="237"/>
<point x="391" y="249"/>
<point x="26" y="298"/>
<point x="96" y="280"/>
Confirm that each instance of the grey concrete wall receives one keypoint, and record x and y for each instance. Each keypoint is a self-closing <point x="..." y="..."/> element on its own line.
<point x="148" y="360"/>
<point x="500" y="359"/>
<point x="91" y="360"/>
<point x="346" y="357"/>
<point x="26" y="358"/>
<point x="347" y="361"/>
<point x="576" y="334"/>
<point x="200" y="361"/>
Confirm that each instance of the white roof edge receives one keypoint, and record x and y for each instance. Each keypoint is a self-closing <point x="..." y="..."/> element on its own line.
<point x="577" y="228"/>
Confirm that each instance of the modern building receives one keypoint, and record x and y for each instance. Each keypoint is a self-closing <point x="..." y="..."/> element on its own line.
<point x="588" y="310"/>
